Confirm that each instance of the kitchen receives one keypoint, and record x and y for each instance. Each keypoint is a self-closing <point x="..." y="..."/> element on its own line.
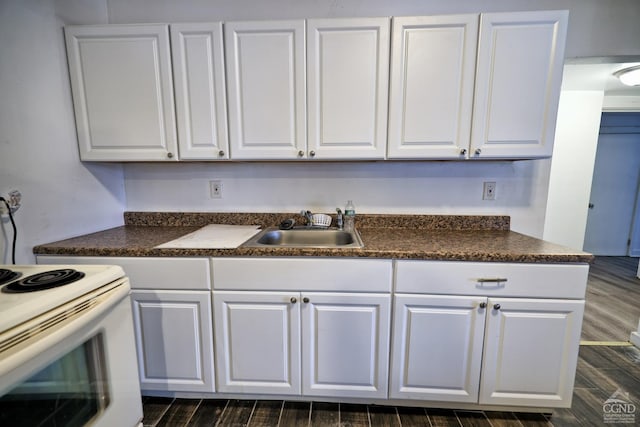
<point x="40" y="157"/>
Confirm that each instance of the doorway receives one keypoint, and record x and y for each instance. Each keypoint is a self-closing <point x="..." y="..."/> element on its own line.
<point x="613" y="224"/>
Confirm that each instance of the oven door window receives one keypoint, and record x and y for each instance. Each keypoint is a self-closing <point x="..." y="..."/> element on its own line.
<point x="70" y="391"/>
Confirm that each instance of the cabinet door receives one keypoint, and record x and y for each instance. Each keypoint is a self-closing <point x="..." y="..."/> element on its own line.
<point x="122" y="92"/>
<point x="432" y="77"/>
<point x="345" y="344"/>
<point x="519" y="72"/>
<point x="348" y="70"/>
<point x="174" y="340"/>
<point x="437" y="347"/>
<point x="198" y="69"/>
<point x="266" y="89"/>
<point x="257" y="342"/>
<point x="531" y="352"/>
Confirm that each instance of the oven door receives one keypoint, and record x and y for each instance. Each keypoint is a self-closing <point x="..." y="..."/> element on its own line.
<point x="74" y="366"/>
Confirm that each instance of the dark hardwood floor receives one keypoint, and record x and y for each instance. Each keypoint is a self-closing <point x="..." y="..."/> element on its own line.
<point x="612" y="312"/>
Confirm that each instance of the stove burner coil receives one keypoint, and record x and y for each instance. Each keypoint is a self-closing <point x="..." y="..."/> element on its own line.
<point x="45" y="280"/>
<point x="8" y="275"/>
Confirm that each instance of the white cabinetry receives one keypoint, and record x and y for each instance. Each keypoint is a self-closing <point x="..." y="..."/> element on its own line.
<point x="122" y="92"/>
<point x="173" y="332"/>
<point x="295" y="339"/>
<point x="519" y="72"/>
<point x="172" y="317"/>
<point x="531" y="347"/>
<point x="348" y="78"/>
<point x="530" y="344"/>
<point x="437" y="350"/>
<point x="436" y="112"/>
<point x="198" y="69"/>
<point x="431" y="91"/>
<point x="266" y="89"/>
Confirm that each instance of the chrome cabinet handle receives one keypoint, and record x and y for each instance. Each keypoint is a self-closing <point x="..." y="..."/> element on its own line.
<point x="170" y="155"/>
<point x="483" y="305"/>
<point x="478" y="151"/>
<point x="312" y="153"/>
<point x="293" y="300"/>
<point x="496" y="306"/>
<point x="300" y="153"/>
<point x="305" y="300"/>
<point x="220" y="153"/>
<point x="492" y="279"/>
<point x="463" y="151"/>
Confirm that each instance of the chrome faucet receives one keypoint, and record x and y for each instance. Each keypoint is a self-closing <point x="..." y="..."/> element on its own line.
<point x="339" y="222"/>
<point x="307" y="215"/>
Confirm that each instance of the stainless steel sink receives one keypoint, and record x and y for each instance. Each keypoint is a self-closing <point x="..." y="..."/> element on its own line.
<point x="306" y="238"/>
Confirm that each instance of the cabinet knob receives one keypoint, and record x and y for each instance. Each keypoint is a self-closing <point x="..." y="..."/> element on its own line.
<point x="483" y="305"/>
<point x="305" y="300"/>
<point x="478" y="151"/>
<point x="496" y="306"/>
<point x="463" y="151"/>
<point x="221" y="153"/>
<point x="312" y="153"/>
<point x="300" y="153"/>
<point x="170" y="155"/>
<point x="293" y="300"/>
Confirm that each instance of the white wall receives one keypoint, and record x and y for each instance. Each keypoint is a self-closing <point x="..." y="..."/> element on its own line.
<point x="596" y="27"/>
<point x="574" y="155"/>
<point x="38" y="150"/>
<point x="374" y="187"/>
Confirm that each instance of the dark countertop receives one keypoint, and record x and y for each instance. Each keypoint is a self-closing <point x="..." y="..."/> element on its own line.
<point x="461" y="238"/>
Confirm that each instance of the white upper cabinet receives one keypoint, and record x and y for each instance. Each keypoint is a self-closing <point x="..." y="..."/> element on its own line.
<point x="431" y="92"/>
<point x="122" y="92"/>
<point x="519" y="72"/>
<point x="266" y="89"/>
<point x="198" y="69"/>
<point x="348" y="77"/>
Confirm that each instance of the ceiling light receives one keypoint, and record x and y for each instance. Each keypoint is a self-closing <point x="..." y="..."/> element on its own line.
<point x="629" y="76"/>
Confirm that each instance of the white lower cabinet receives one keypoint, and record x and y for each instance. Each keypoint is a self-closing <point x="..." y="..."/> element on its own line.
<point x="173" y="333"/>
<point x="529" y="350"/>
<point x="487" y="347"/>
<point x="291" y="338"/>
<point x="437" y="348"/>
<point x="257" y="342"/>
<point x="345" y="344"/>
<point x="530" y="354"/>
<point x="314" y="343"/>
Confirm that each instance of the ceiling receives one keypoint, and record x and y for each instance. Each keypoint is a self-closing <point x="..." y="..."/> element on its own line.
<point x="598" y="75"/>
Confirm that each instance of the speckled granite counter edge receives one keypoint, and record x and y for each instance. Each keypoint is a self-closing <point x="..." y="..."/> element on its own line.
<point x="427" y="222"/>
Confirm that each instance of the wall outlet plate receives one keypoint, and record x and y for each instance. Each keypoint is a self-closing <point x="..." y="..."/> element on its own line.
<point x="489" y="191"/>
<point x="215" y="189"/>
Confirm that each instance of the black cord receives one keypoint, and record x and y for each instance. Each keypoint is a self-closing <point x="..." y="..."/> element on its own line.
<point x="15" y="230"/>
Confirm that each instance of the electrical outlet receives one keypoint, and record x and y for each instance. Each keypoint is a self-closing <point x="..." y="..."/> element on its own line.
<point x="13" y="199"/>
<point x="215" y="189"/>
<point x="489" y="191"/>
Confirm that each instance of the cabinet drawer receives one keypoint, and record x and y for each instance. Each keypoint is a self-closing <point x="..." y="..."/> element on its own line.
<point x="302" y="274"/>
<point x="148" y="272"/>
<point x="478" y="278"/>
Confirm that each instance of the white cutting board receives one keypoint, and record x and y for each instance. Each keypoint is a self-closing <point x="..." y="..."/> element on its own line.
<point x="214" y="236"/>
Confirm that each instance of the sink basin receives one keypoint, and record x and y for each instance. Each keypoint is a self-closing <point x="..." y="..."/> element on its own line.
<point x="306" y="238"/>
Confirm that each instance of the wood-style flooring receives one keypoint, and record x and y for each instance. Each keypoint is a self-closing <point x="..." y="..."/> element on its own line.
<point x="612" y="309"/>
<point x="612" y="312"/>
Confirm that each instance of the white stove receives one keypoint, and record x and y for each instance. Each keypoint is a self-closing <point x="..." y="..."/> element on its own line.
<point x="67" y="347"/>
<point x="17" y="307"/>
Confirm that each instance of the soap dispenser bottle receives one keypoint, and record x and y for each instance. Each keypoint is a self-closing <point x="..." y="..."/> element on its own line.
<point x="349" y="216"/>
